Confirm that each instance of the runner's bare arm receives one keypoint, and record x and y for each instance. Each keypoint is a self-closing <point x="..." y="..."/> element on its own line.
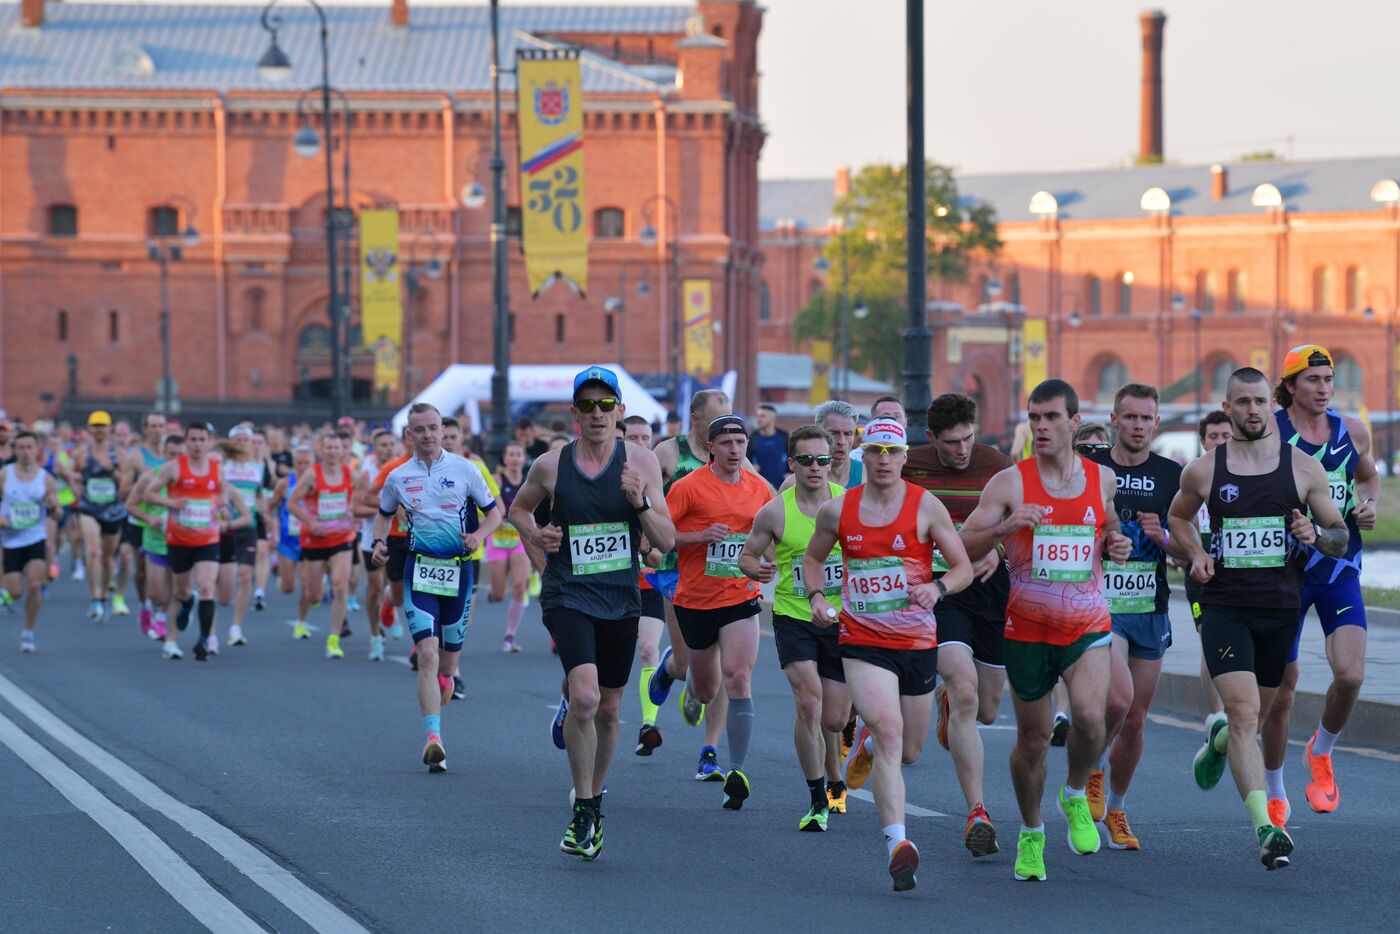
<point x="818" y="548"/>
<point x="296" y="502"/>
<point x="642" y="479"/>
<point x="1325" y="529"/>
<point x="51" y="493"/>
<point x="668" y="454"/>
<point x="934" y="518"/>
<point x="363" y="504"/>
<point x="999" y="514"/>
<point x="1181" y="519"/>
<point x="136" y="501"/>
<point x="788" y="481"/>
<point x="169" y="473"/>
<point x="1368" y="478"/>
<point x="539" y="483"/>
<point x="767" y="529"/>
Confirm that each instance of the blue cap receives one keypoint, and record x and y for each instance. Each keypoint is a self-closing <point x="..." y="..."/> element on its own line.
<point x="597" y="374"/>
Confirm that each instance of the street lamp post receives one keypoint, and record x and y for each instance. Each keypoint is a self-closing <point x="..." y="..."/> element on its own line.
<point x="164" y="251"/>
<point x="1370" y="315"/>
<point x="617" y="305"/>
<point x="414" y="273"/>
<point x="500" y="297"/>
<point x="918" y="339"/>
<point x="648" y="237"/>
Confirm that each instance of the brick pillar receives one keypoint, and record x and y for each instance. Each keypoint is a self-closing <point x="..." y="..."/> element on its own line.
<point x="1150" y="148"/>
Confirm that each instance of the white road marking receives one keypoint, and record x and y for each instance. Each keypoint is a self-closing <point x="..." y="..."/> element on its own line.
<point x="1200" y="727"/>
<point x="302" y="901"/>
<point x="163" y="864"/>
<point x="912" y="809"/>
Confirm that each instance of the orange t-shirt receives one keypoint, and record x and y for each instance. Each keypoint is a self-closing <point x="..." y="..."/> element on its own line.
<point x="709" y="574"/>
<point x="396" y="529"/>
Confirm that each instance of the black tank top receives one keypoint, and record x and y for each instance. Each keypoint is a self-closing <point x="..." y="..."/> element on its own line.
<point x="1257" y="560"/>
<point x="100" y="494"/>
<point x="595" y="569"/>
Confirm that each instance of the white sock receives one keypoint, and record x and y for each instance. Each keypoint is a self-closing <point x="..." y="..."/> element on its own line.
<point x="1212" y="717"/>
<point x="1073" y="792"/>
<point x="1323" y="741"/>
<point x="1274" y="779"/>
<point x="894" y="836"/>
<point x="1115" y="801"/>
<point x="148" y="605"/>
<point x="1039" y="829"/>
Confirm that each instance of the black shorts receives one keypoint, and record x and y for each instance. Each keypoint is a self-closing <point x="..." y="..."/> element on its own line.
<point x="1193" y="597"/>
<point x="398" y="554"/>
<point x="588" y="640"/>
<point x="17" y="558"/>
<point x="981" y="635"/>
<point x="260" y="526"/>
<point x="356" y="559"/>
<point x="653" y="604"/>
<point x="1238" y="639"/>
<point x="183" y="558"/>
<point x="131" y="534"/>
<point x="801" y="640"/>
<point x="367" y="559"/>
<point x="700" y="628"/>
<point x="324" y="554"/>
<point x="239" y="547"/>
<point x="107" y="528"/>
<point x="915" y="668"/>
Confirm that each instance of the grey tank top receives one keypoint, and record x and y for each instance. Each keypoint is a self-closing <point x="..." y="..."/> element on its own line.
<point x="595" y="569"/>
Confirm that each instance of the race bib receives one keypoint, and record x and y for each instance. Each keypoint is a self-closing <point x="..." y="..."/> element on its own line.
<point x="876" y="585"/>
<point x="1130" y="587"/>
<point x="1339" y="489"/>
<point x="250" y="498"/>
<point x="1203" y="523"/>
<point x="293" y="525"/>
<point x="722" y="557"/>
<point x="1257" y="542"/>
<point x="833" y="572"/>
<point x="506" y="537"/>
<point x="441" y="576"/>
<point x="599" y="548"/>
<point x="25" y="515"/>
<point x="332" y="506"/>
<point x="101" y="490"/>
<point x="940" y="564"/>
<point x="196" y="514"/>
<point x="1063" y="553"/>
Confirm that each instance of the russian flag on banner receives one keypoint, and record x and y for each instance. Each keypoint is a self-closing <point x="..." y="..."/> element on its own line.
<point x="552" y="153"/>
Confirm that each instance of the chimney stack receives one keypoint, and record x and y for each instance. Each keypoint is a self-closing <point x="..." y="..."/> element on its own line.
<point x="1219" y="183"/>
<point x="842" y="186"/>
<point x="1153" y="24"/>
<point x="31" y="13"/>
<point x="398" y="15"/>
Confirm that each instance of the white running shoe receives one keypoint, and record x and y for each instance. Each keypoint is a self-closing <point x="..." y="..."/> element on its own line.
<point x="26" y="642"/>
<point x="79" y="572"/>
<point x="235" y="636"/>
<point x="212" y="644"/>
<point x="172" y="651"/>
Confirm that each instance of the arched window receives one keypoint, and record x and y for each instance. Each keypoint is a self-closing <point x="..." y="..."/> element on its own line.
<point x="314" y="341"/>
<point x="253" y="301"/>
<point x="1205" y="291"/>
<point x="62" y="220"/>
<point x="163" y="221"/>
<point x="765" y="302"/>
<point x="1355" y="288"/>
<point x="1235" y="284"/>
<point x="1322" y="288"/>
<point x="1125" y="294"/>
<point x="1094" y="290"/>
<point x="1013" y="288"/>
<point x="609" y="224"/>
<point x="1112" y="377"/>
<point x="1220" y="375"/>
<point x="1346" y="383"/>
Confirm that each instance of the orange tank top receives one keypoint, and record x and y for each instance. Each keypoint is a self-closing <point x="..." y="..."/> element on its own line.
<point x="881" y="563"/>
<point x="330" y="504"/>
<point x="197" y="522"/>
<point x="1056" y="568"/>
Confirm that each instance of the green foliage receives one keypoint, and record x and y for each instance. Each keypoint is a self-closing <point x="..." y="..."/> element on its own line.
<point x="1261" y="155"/>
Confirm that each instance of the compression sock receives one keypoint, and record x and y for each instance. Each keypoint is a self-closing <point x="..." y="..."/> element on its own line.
<point x="1273" y="779"/>
<point x="1323" y="742"/>
<point x="182" y="618"/>
<point x="894" y="836"/>
<point x="1257" y="804"/>
<point x="739" y="727"/>
<point x="432" y="723"/>
<point x="816" y="787"/>
<point x="648" y="708"/>
<point x="206" y="618"/>
<point x="514" y="612"/>
<point x="1115" y="800"/>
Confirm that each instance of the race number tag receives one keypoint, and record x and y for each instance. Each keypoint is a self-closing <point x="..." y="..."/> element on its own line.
<point x="436" y="576"/>
<point x="1062" y="553"/>
<point x="832" y="574"/>
<point x="25" y="515"/>
<point x="1130" y="587"/>
<point x="940" y="564"/>
<point x="250" y="498"/>
<point x="877" y="585"/>
<point x="600" y="547"/>
<point x="1339" y="489"/>
<point x="196" y="514"/>
<point x="722" y="557"/>
<point x="293" y="525"/>
<point x="102" y="490"/>
<point x="1203" y="524"/>
<point x="1253" y="543"/>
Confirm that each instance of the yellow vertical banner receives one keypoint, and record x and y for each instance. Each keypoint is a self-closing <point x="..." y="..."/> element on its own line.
<point x="381" y="308"/>
<point x="821" y="372"/>
<point x="550" y="110"/>
<point x="699" y="328"/>
<point x="1259" y="359"/>
<point x="1035" y="357"/>
<point x="387" y="365"/>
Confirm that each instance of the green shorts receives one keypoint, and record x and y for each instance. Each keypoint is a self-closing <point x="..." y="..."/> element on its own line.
<point x="1034" y="667"/>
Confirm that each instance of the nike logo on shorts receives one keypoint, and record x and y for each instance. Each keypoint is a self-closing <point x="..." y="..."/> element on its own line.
<point x="1343" y="610"/>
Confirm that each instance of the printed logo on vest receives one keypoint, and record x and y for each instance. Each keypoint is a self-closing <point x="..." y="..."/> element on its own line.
<point x="1229" y="493"/>
<point x="898" y="543"/>
<point x="1089" y="517"/>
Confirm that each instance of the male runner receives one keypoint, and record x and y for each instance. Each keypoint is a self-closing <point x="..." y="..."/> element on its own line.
<point x="1054" y="513"/>
<point x="768" y="445"/>
<point x="102" y="480"/>
<point x="321" y="502"/>
<point x="889" y="407"/>
<point x="154" y="549"/>
<point x="28" y="493"/>
<point x="1257" y="488"/>
<point x="605" y="494"/>
<point x="289" y="535"/>
<point x="838" y="418"/>
<point x="955" y="469"/>
<point x="1332" y="585"/>
<point x="808" y="654"/>
<point x="267" y="542"/>
<point x="384" y="448"/>
<point x="396" y="543"/>
<point x="652" y="620"/>
<point x="439" y="494"/>
<point x="238" y="547"/>
<point x="141" y="458"/>
<point x="1214" y="430"/>
<point x="887" y="530"/>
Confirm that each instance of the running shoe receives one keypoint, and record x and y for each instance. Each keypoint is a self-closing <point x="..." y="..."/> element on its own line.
<point x="7" y="602"/>
<point x="376" y="648"/>
<point x="212" y="644"/>
<point x="1083" y="835"/>
<point x="96" y="610"/>
<point x="299" y="631"/>
<point x="1322" y="793"/>
<point x="352" y="604"/>
<point x="54" y="571"/>
<point x="1279" y="812"/>
<point x="1059" y="733"/>
<point x="535" y="584"/>
<point x="692" y="711"/>
<point x="815" y="821"/>
<point x="580" y="837"/>
<point x="860" y="761"/>
<point x="182" y="616"/>
<point x="1209" y="765"/>
<point x="159" y="629"/>
<point x="836" y="797"/>
<point x="386" y="615"/>
<point x="345" y="630"/>
<point x="259" y="601"/>
<point x="708" y="770"/>
<point x="171" y="651"/>
<point x="848" y="736"/>
<point x="143" y="620"/>
<point x="333" y="649"/>
<point x="736" y="790"/>
<point x="940" y="699"/>
<point x="1275" y="845"/>
<point x="980" y="837"/>
<point x="904" y="862"/>
<point x="445" y="686"/>
<point x="510" y="646"/>
<point x="556" y="729"/>
<point x="119" y="606"/>
<point x="201" y="652"/>
<point x="26" y="642"/>
<point x="1030" y="856"/>
<point x="434" y="755"/>
<point x="647" y="739"/>
<point x="459" y="688"/>
<point x="1094" y="792"/>
<point x="79" y="572"/>
<point x="413" y="658"/>
<point x="659" y="687"/>
<point x="1120" y="835"/>
<point x="235" y="636"/>
<point x="396" y="631"/>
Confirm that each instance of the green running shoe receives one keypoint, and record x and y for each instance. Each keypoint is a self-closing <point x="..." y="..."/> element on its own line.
<point x="736" y="790"/>
<point x="1209" y="765"/>
<point x="1083" y="834"/>
<point x="1030" y="856"/>
<point x="1274" y="847"/>
<point x="580" y="837"/>
<point x="815" y="821"/>
<point x="692" y="711"/>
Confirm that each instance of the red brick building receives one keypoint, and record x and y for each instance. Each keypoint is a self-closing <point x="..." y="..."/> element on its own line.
<point x="119" y="124"/>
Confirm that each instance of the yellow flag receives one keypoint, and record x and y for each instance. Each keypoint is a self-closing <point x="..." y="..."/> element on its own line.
<point x="550" y="110"/>
<point x="699" y="328"/>
<point x="1034" y="356"/>
<point x="387" y="365"/>
<point x="1259" y="359"/>
<point x="381" y="312"/>
<point x="821" y="372"/>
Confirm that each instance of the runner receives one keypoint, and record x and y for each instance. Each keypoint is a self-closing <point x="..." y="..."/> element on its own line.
<point x="440" y="494"/>
<point x="955" y="469"/>
<point x="102" y="480"/>
<point x="1257" y="488"/>
<point x="384" y="448"/>
<point x="141" y="458"/>
<point x="1214" y="430"/>
<point x="454" y="442"/>
<point x="769" y="446"/>
<point x="605" y="494"/>
<point x="1331" y="585"/>
<point x="321" y="502"/>
<point x="505" y="555"/>
<point x="839" y="420"/>
<point x="887" y="530"/>
<point x="27" y="494"/>
<point x="289" y="537"/>
<point x="808" y="653"/>
<point x="267" y="541"/>
<point x="396" y="546"/>
<point x="56" y="461"/>
<point x="652" y="620"/>
<point x="1054" y="513"/>
<point x="154" y="551"/>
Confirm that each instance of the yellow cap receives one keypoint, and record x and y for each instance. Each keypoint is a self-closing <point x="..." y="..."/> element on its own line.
<point x="1303" y="356"/>
<point x="99" y="418"/>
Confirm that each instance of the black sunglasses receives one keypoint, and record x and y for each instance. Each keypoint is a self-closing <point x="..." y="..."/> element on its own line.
<point x="586" y="406"/>
<point x="1090" y="448"/>
<point x="807" y="460"/>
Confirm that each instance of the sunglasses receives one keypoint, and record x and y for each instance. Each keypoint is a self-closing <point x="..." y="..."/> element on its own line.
<point x="807" y="460"/>
<point x="586" y="406"/>
<point x="1088" y="449"/>
<point x="880" y="450"/>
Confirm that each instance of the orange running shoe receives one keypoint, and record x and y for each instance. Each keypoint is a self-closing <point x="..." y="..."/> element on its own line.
<point x="1094" y="792"/>
<point x="940" y="697"/>
<point x="1322" y="791"/>
<point x="980" y="837"/>
<point x="904" y="862"/>
<point x="1120" y="835"/>
<point x="1279" y="812"/>
<point x="445" y="685"/>
<point x="859" y="762"/>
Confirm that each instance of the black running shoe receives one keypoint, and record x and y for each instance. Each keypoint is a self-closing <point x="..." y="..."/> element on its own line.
<point x="1060" y="732"/>
<point x="580" y="836"/>
<point x="201" y="652"/>
<point x="647" y="739"/>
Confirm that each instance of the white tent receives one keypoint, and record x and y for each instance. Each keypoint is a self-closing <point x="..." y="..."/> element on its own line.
<point x="463" y="387"/>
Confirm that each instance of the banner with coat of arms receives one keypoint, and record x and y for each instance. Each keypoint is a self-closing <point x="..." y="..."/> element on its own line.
<point x="699" y="328"/>
<point x="550" y="109"/>
<point x="381" y="307"/>
<point x="1035" y="362"/>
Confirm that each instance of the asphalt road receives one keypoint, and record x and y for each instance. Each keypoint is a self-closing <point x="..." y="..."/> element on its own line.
<point x="273" y="789"/>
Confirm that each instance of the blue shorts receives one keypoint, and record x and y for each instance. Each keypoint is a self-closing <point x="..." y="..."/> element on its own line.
<point x="432" y="615"/>
<point x="1338" y="604"/>
<point x="1147" y="634"/>
<point x="289" y="549"/>
<point x="666" y="581"/>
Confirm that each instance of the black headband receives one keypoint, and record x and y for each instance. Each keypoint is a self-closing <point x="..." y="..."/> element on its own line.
<point x="727" y="424"/>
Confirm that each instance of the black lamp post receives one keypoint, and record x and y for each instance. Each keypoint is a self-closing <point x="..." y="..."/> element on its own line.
<point x="648" y="236"/>
<point x="918" y="339"/>
<point x="166" y="250"/>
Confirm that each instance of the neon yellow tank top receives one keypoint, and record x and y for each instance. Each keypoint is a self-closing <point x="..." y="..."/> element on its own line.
<point x="790" y="596"/>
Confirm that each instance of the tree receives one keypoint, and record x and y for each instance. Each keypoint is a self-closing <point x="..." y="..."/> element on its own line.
<point x="876" y="238"/>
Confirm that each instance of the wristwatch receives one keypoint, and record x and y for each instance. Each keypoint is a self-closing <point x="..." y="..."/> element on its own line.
<point x="646" y="504"/>
<point x="942" y="587"/>
<point x="378" y="541"/>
